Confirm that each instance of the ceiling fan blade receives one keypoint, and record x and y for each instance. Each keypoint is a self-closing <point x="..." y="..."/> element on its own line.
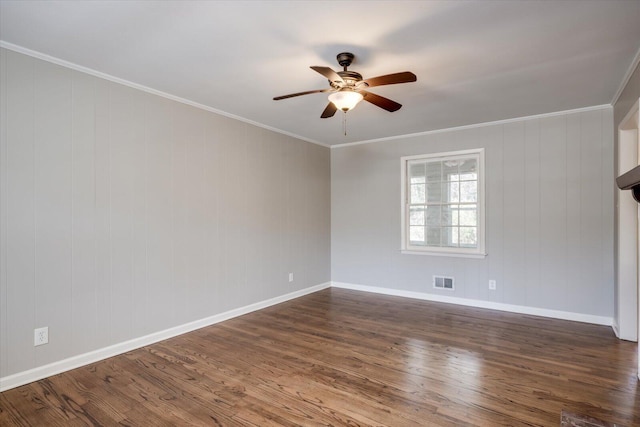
<point x="329" y="111"/>
<point x="381" y="101"/>
<point x="328" y="73"/>
<point x="392" y="79"/>
<point x="277" y="98"/>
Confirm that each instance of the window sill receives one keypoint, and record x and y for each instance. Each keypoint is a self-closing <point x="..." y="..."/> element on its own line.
<point x="448" y="254"/>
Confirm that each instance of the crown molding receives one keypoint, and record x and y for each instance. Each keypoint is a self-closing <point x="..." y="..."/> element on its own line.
<point x="476" y="125"/>
<point x="627" y="77"/>
<point x="99" y="74"/>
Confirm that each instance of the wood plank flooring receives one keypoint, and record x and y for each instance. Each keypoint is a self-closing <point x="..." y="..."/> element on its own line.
<point x="339" y="357"/>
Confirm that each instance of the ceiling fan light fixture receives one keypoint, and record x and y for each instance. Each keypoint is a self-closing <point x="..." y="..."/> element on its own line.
<point x="345" y="100"/>
<point x="347" y="88"/>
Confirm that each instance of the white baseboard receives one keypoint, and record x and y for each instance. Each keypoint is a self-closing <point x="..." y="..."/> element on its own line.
<point x="623" y="335"/>
<point x="616" y="328"/>
<point x="35" y="374"/>
<point x="555" y="314"/>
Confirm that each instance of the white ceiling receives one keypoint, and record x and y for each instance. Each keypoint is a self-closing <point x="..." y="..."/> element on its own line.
<point x="476" y="61"/>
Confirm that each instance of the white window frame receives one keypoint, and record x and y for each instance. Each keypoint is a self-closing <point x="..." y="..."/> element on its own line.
<point x="406" y="248"/>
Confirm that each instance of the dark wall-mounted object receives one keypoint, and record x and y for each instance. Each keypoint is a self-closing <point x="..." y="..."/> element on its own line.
<point x="631" y="181"/>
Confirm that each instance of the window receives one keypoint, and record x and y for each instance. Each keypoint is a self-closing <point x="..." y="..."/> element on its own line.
<point x="443" y="204"/>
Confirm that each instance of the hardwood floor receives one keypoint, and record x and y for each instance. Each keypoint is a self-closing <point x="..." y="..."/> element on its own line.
<point x="340" y="357"/>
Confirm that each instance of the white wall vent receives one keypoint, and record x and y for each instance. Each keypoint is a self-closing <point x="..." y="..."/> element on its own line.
<point x="442" y="282"/>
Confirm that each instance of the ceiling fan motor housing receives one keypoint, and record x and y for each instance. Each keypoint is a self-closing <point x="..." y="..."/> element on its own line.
<point x="350" y="79"/>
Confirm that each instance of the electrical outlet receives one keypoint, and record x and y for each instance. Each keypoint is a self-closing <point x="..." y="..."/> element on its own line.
<point x="290" y="277"/>
<point x="41" y="336"/>
<point x="492" y="285"/>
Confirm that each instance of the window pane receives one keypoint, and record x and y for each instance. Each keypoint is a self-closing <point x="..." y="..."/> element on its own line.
<point x="434" y="171"/>
<point x="416" y="173"/>
<point x="416" y="216"/>
<point x="433" y="236"/>
<point x="434" y="192"/>
<point x="468" y="169"/>
<point x="468" y="237"/>
<point x="453" y="195"/>
<point x="469" y="191"/>
<point x="433" y="215"/>
<point x="454" y="209"/>
<point x="417" y="193"/>
<point x="450" y="237"/>
<point x="468" y="215"/>
<point x="416" y="235"/>
<point x="450" y="170"/>
<point x="449" y="215"/>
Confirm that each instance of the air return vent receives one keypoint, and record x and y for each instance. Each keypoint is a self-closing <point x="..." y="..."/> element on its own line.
<point x="442" y="282"/>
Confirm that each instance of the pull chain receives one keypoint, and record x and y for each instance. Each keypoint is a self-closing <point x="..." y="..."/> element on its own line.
<point x="344" y="123"/>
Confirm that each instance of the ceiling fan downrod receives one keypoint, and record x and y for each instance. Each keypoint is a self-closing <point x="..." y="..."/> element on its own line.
<point x="345" y="59"/>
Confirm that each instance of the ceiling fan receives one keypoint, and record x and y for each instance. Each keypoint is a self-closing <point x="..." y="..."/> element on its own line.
<point x="347" y="88"/>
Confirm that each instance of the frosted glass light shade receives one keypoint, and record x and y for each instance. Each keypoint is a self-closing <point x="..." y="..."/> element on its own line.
<point x="345" y="100"/>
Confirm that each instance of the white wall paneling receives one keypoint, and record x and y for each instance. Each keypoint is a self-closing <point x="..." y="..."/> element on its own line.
<point x="549" y="209"/>
<point x="4" y="169"/>
<point x="124" y="214"/>
<point x="19" y="209"/>
<point x="52" y="209"/>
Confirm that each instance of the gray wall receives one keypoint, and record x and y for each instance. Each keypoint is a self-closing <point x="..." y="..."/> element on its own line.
<point x="124" y="213"/>
<point x="626" y="100"/>
<point x="549" y="208"/>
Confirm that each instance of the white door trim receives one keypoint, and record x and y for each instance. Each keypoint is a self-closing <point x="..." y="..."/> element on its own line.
<point x="628" y="250"/>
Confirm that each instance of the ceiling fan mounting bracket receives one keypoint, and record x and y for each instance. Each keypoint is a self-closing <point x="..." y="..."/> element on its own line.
<point x="345" y="59"/>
